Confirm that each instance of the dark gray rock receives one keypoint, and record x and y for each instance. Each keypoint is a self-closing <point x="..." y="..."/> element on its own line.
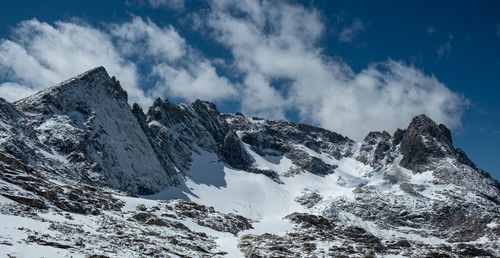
<point x="423" y="142"/>
<point x="233" y="153"/>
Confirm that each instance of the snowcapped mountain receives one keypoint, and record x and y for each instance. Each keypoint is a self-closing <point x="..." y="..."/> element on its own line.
<point x="84" y="174"/>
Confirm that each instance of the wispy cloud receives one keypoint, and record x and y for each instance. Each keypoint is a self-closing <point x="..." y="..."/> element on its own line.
<point x="348" y="33"/>
<point x="169" y="4"/>
<point x="156" y="43"/>
<point x="431" y="30"/>
<point x="174" y="4"/>
<point x="444" y="50"/>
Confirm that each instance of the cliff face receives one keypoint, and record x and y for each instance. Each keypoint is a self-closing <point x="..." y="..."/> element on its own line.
<point x="87" y="123"/>
<point x="78" y="147"/>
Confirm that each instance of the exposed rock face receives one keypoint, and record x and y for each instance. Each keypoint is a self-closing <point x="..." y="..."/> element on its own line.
<point x="87" y="121"/>
<point x="72" y="151"/>
<point x="208" y="217"/>
<point x="176" y="131"/>
<point x="423" y="142"/>
<point x="375" y="148"/>
<point x="425" y="146"/>
<point x="233" y="153"/>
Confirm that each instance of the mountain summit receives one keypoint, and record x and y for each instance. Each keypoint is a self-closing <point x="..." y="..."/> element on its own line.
<point x="99" y="177"/>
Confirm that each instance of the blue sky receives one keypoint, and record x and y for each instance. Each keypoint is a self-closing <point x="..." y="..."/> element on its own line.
<point x="350" y="66"/>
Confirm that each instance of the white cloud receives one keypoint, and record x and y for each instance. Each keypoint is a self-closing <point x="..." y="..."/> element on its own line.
<point x="182" y="71"/>
<point x="198" y="81"/>
<point x="11" y="91"/>
<point x="348" y="33"/>
<point x="279" y="41"/>
<point x="148" y="40"/>
<point x="40" y="55"/>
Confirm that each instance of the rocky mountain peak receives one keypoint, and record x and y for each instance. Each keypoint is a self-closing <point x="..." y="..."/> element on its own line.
<point x="427" y="127"/>
<point x="87" y="121"/>
<point x="165" y="111"/>
<point x="423" y="142"/>
<point x="206" y="105"/>
<point x="76" y="93"/>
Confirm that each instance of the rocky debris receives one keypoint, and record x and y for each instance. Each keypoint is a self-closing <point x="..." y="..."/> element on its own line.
<point x="141" y="207"/>
<point x="457" y="220"/>
<point x="208" y="217"/>
<point x="412" y="189"/>
<point x="360" y="235"/>
<point x="29" y="201"/>
<point x="309" y="198"/>
<point x="310" y="164"/>
<point x="309" y="220"/>
<point x="96" y="256"/>
<point x="471" y="251"/>
<point x="156" y="230"/>
<point x="30" y="187"/>
<point x="47" y="243"/>
<point x="315" y="236"/>
<point x="152" y="219"/>
<point x="268" y="245"/>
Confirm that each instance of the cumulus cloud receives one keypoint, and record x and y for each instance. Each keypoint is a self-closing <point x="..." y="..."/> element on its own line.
<point x="11" y="91"/>
<point x="348" y="33"/>
<point x="147" y="40"/>
<point x="40" y="55"/>
<point x="279" y="41"/>
<point x="199" y="81"/>
<point x="183" y="72"/>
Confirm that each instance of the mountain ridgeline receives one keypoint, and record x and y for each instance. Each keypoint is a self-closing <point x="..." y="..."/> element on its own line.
<point x="414" y="181"/>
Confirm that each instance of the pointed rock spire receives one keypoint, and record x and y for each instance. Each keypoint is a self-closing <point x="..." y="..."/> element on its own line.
<point x="424" y="141"/>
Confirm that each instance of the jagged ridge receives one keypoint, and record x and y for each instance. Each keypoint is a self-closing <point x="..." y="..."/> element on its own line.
<point x="413" y="182"/>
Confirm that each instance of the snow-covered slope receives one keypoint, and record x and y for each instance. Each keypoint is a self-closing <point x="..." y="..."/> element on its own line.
<point x="216" y="184"/>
